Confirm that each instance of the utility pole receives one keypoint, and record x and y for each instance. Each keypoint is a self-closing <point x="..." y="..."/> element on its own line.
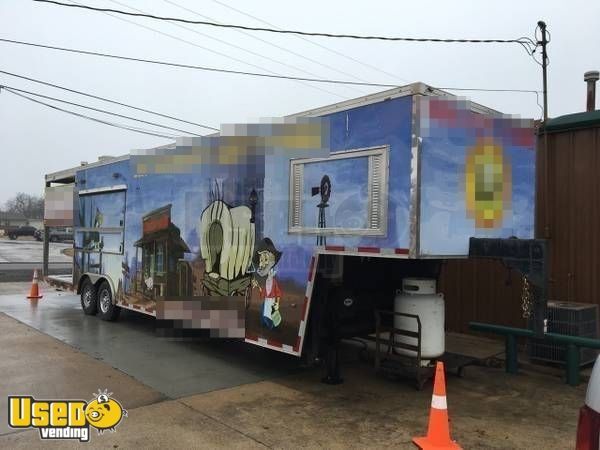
<point x="544" y="43"/>
<point x="541" y="292"/>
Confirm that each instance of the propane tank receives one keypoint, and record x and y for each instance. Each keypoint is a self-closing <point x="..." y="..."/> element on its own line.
<point x="418" y="296"/>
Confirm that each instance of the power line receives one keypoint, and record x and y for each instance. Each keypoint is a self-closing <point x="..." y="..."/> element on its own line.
<point x="94" y="119"/>
<point x="216" y="52"/>
<point x="531" y="91"/>
<point x="196" y="67"/>
<point x="272" y="44"/>
<point x="205" y="68"/>
<point x="105" y="99"/>
<point x="335" y="52"/>
<point x="520" y="41"/>
<point x="260" y="55"/>
<point x="103" y="111"/>
<point x="527" y="91"/>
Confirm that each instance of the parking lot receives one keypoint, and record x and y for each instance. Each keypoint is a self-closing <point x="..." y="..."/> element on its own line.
<point x="220" y="393"/>
<point x="19" y="257"/>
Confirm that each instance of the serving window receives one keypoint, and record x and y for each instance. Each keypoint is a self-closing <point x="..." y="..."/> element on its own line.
<point x="101" y="222"/>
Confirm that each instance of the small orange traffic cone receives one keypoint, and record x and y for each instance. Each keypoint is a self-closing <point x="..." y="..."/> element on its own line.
<point x="35" y="290"/>
<point x="438" y="433"/>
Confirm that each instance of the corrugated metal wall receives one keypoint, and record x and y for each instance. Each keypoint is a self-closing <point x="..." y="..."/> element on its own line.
<point x="482" y="290"/>
<point x="573" y="215"/>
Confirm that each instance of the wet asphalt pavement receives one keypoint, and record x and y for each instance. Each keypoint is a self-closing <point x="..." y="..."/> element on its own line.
<point x="175" y="368"/>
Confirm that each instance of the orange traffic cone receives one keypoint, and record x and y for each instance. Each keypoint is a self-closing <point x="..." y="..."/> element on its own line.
<point x="35" y="290"/>
<point x="438" y="433"/>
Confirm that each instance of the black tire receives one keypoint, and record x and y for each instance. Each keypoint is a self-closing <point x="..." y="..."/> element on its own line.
<point x="107" y="310"/>
<point x="12" y="237"/>
<point x="54" y="239"/>
<point x="89" y="298"/>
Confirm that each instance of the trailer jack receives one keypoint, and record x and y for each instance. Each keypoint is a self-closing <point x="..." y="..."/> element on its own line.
<point x="332" y="363"/>
<point x="332" y="355"/>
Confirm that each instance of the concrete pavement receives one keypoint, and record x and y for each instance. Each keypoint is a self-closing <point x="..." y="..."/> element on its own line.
<point x="33" y="362"/>
<point x="268" y="405"/>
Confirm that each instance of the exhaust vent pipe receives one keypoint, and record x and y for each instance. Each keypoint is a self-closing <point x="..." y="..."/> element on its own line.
<point x="590" y="78"/>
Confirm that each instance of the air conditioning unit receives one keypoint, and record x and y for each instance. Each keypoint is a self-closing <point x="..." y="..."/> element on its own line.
<point x="570" y="318"/>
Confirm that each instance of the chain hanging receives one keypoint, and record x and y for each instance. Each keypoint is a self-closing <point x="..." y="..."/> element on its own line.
<point x="526" y="300"/>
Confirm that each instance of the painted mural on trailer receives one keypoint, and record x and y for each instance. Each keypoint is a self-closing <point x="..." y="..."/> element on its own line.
<point x="100" y="222"/>
<point x="233" y="222"/>
<point x="194" y="232"/>
<point x="368" y="174"/>
<point x="477" y="176"/>
<point x="209" y="217"/>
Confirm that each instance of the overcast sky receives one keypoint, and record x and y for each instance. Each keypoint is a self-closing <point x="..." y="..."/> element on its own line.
<point x="35" y="140"/>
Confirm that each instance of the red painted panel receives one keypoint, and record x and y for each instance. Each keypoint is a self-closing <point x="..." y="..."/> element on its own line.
<point x="156" y="223"/>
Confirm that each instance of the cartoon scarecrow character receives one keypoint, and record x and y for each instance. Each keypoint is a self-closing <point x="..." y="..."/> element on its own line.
<point x="265" y="259"/>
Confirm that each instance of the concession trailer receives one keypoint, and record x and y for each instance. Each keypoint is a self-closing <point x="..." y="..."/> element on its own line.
<point x="293" y="233"/>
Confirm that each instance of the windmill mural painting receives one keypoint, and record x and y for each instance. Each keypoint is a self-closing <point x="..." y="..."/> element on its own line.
<point x="324" y="189"/>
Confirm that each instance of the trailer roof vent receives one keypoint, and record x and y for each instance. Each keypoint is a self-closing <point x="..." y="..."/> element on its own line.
<point x="105" y="158"/>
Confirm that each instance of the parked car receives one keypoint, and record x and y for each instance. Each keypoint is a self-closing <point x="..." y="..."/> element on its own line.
<point x="56" y="234"/>
<point x="588" y="429"/>
<point x="25" y="230"/>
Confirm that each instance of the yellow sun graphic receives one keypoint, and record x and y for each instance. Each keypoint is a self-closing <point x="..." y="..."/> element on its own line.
<point x="488" y="184"/>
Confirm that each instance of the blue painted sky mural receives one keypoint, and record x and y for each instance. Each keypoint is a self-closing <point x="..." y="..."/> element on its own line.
<point x="347" y="206"/>
<point x="380" y="124"/>
<point x="450" y="132"/>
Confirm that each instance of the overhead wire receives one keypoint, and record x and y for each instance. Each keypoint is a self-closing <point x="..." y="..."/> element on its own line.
<point x="196" y="67"/>
<point x="272" y="44"/>
<point x="529" y="91"/>
<point x="238" y="47"/>
<point x="251" y="52"/>
<point x="208" y="49"/>
<point x="488" y="90"/>
<point x="317" y="44"/>
<point x="212" y="69"/>
<point x="539" y="44"/>
<point x="94" y="119"/>
<point x="91" y="108"/>
<point x="215" y="69"/>
<point x="298" y="32"/>
<point x="104" y="99"/>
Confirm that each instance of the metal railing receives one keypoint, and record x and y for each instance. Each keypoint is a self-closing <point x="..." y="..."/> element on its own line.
<point x="571" y="343"/>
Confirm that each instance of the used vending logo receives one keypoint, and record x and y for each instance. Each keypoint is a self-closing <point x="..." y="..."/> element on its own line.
<point x="65" y="419"/>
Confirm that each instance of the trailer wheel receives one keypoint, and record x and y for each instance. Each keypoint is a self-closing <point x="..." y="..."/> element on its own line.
<point x="107" y="310"/>
<point x="89" y="302"/>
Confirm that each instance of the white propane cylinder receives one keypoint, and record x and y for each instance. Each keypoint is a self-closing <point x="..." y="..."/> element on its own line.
<point x="418" y="296"/>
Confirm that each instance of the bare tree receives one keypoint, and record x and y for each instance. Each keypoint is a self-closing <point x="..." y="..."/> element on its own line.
<point x="30" y="206"/>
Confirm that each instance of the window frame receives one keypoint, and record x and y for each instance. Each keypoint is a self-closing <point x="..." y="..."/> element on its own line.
<point x="103" y="230"/>
<point x="377" y="204"/>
